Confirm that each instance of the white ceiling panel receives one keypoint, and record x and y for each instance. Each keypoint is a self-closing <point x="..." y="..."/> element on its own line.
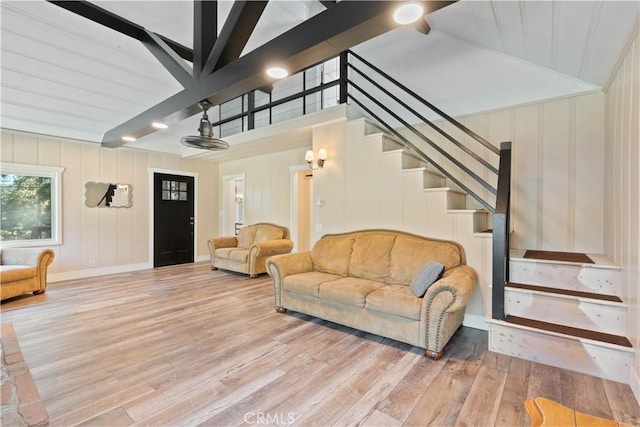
<point x="172" y="19"/>
<point x="64" y="75"/>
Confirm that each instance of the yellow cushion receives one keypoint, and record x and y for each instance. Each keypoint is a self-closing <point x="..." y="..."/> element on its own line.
<point x="307" y="283"/>
<point x="332" y="254"/>
<point x="410" y="254"/>
<point x="268" y="232"/>
<point x="241" y="255"/>
<point x="348" y="290"/>
<point x="397" y="300"/>
<point x="12" y="273"/>
<point x="547" y="413"/>
<point x="246" y="236"/>
<point x="371" y="256"/>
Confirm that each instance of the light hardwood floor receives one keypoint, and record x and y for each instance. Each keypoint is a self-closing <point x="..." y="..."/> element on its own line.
<point x="185" y="345"/>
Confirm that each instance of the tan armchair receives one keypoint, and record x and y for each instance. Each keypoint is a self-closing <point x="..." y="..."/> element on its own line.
<point x="248" y="251"/>
<point x="24" y="270"/>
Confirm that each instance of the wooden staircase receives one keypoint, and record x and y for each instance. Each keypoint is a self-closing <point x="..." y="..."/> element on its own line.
<point x="565" y="314"/>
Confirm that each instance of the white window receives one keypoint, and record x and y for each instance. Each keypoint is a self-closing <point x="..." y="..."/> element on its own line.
<point x="30" y="205"/>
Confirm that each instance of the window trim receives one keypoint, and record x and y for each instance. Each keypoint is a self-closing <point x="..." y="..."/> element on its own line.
<point x="53" y="172"/>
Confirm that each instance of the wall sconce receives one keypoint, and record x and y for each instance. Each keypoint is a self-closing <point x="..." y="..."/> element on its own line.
<point x="322" y="156"/>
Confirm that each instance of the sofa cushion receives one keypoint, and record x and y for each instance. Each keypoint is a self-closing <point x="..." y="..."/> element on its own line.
<point x="397" y="300"/>
<point x="12" y="273"/>
<point x="246" y="236"/>
<point x="240" y="255"/>
<point x="348" y="290"/>
<point x="427" y="276"/>
<point x="268" y="232"/>
<point x="410" y="254"/>
<point x="332" y="254"/>
<point x="307" y="283"/>
<point x="371" y="256"/>
<point x="224" y="252"/>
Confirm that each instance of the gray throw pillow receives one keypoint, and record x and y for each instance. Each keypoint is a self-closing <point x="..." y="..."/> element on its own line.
<point x="426" y="277"/>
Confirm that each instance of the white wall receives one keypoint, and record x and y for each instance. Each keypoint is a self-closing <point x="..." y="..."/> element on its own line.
<point x="117" y="239"/>
<point x="622" y="214"/>
<point x="267" y="185"/>
<point x="557" y="169"/>
<point x="557" y="193"/>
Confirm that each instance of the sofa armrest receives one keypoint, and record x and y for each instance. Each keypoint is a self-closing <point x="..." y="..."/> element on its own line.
<point x="270" y="248"/>
<point x="281" y="266"/>
<point x="460" y="280"/>
<point x="34" y="257"/>
<point x="443" y="306"/>
<point x="222" y="242"/>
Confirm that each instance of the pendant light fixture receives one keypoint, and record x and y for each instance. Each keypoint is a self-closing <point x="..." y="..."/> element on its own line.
<point x="205" y="140"/>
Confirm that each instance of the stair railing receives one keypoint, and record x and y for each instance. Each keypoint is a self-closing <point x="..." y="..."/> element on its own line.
<point x="400" y="112"/>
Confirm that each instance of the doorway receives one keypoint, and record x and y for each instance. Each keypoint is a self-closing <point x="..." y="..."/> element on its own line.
<point x="301" y="207"/>
<point x="233" y="204"/>
<point x="173" y="219"/>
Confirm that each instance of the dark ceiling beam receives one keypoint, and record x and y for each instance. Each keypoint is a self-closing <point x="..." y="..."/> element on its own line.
<point x="168" y="58"/>
<point x="324" y="35"/>
<point x="235" y="33"/>
<point x="328" y="3"/>
<point x="205" y="32"/>
<point x="117" y="23"/>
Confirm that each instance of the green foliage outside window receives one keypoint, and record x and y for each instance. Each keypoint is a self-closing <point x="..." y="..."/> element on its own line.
<point x="25" y="207"/>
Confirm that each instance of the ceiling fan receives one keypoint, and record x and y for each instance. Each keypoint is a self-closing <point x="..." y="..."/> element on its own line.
<point x="205" y="140"/>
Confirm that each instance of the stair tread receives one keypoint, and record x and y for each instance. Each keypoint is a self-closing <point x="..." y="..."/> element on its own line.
<point x="569" y="330"/>
<point x="602" y="297"/>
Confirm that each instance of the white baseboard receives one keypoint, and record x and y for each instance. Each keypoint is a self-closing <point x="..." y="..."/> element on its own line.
<point x="201" y="258"/>
<point x="634" y="383"/>
<point x="476" y="322"/>
<point x="94" y="272"/>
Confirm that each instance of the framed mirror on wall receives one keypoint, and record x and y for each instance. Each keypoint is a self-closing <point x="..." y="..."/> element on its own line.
<point x="106" y="195"/>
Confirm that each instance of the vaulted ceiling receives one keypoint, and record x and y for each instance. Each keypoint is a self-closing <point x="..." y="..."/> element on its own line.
<point x="66" y="76"/>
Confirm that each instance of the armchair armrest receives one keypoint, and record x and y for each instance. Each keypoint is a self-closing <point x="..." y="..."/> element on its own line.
<point x="222" y="242"/>
<point x="271" y="247"/>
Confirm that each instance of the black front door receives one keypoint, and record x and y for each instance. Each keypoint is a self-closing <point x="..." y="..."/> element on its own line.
<point x="173" y="219"/>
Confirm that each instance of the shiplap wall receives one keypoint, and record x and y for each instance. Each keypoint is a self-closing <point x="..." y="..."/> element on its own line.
<point x="112" y="237"/>
<point x="623" y="186"/>
<point x="557" y="169"/>
<point x="267" y="185"/>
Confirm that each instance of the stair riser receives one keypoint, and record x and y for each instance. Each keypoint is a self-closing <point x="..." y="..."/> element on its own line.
<point x="567" y="276"/>
<point x="600" y="361"/>
<point x="584" y="314"/>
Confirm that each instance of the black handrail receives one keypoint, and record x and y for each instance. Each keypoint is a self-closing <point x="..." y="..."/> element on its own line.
<point x="449" y="157"/>
<point x="501" y="233"/>
<point x="421" y="153"/>
<point x="441" y="113"/>
<point x="501" y="212"/>
<point x="467" y="150"/>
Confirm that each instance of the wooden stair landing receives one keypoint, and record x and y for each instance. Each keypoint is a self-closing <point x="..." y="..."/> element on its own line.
<point x="569" y="330"/>
<point x="558" y="256"/>
<point x="579" y="294"/>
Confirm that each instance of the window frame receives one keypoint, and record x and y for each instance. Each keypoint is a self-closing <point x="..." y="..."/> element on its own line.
<point x="55" y="174"/>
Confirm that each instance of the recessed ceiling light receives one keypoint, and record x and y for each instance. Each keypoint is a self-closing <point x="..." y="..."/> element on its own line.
<point x="159" y="125"/>
<point x="277" y="72"/>
<point x="408" y="13"/>
<point x="128" y="138"/>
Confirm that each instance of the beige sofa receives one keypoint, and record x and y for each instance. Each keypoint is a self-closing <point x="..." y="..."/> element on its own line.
<point x="24" y="270"/>
<point x="362" y="280"/>
<point x="248" y="251"/>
